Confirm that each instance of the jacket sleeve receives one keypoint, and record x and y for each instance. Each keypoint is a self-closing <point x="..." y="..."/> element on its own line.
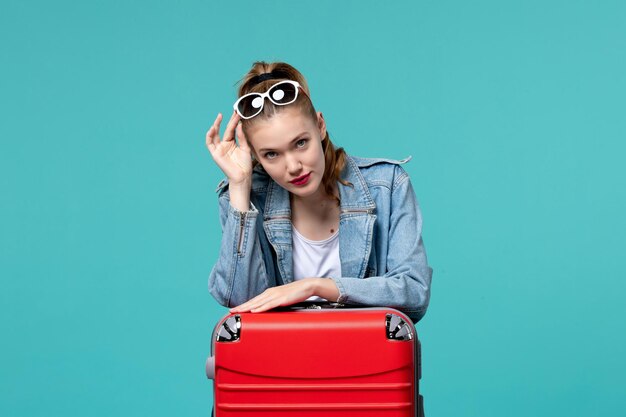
<point x="406" y="284"/>
<point x="239" y="273"/>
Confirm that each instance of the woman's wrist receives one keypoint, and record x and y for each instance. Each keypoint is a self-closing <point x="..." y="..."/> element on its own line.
<point x="241" y="183"/>
<point x="326" y="288"/>
<point x="240" y="194"/>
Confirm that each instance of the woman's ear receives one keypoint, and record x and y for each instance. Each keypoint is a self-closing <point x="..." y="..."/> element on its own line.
<point x="321" y="124"/>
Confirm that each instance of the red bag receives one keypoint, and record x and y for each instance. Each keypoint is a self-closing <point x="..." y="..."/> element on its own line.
<point x="316" y="361"/>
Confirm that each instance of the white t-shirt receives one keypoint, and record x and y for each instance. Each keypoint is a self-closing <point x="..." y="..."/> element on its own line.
<point x="315" y="258"/>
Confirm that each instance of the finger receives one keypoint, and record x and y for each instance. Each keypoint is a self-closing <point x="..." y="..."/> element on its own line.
<point x="209" y="139"/>
<point x="266" y="306"/>
<point x="255" y="303"/>
<point x="213" y="135"/>
<point x="229" y="133"/>
<point x="261" y="309"/>
<point x="246" y="306"/>
<point x="240" y="308"/>
<point x="216" y="124"/>
<point x="243" y="141"/>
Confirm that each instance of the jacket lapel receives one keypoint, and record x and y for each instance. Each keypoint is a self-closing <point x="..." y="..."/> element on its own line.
<point x="356" y="222"/>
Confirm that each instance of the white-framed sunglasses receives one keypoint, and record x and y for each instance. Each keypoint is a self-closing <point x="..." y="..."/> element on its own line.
<point x="281" y="93"/>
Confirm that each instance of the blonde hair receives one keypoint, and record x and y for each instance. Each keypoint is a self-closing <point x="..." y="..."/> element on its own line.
<point x="334" y="158"/>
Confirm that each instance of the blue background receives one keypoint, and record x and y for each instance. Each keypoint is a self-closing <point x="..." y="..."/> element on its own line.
<point x="513" y="112"/>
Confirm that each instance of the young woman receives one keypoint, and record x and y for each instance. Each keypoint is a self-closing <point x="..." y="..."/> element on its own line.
<point x="302" y="220"/>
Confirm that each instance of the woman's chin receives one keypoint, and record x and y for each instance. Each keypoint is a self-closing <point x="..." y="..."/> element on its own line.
<point x="303" y="191"/>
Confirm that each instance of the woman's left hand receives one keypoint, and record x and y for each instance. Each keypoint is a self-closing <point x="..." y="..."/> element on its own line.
<point x="281" y="295"/>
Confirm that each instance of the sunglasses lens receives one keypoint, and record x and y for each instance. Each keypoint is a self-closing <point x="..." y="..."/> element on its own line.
<point x="283" y="93"/>
<point x="250" y="106"/>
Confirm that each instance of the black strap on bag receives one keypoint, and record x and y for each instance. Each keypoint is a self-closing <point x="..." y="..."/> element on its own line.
<point x="312" y="305"/>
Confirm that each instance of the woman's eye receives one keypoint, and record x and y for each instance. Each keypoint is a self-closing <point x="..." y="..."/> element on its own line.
<point x="301" y="143"/>
<point x="270" y="155"/>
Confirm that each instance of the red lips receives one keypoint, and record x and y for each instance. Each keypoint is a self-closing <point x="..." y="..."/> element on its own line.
<point x="301" y="180"/>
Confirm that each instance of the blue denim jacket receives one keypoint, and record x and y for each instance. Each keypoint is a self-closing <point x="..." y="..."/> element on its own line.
<point x="383" y="260"/>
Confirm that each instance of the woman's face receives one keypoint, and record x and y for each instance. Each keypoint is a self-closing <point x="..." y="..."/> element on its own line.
<point x="289" y="147"/>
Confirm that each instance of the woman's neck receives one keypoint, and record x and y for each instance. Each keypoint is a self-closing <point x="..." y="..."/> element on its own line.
<point x="318" y="205"/>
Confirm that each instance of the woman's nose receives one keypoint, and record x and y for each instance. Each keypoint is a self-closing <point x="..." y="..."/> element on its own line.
<point x="294" y="166"/>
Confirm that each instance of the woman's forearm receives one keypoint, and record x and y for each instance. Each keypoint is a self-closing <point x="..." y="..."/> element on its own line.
<point x="240" y="195"/>
<point x="239" y="273"/>
<point x="326" y="288"/>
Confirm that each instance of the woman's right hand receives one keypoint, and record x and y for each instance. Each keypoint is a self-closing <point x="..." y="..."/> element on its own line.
<point x="235" y="160"/>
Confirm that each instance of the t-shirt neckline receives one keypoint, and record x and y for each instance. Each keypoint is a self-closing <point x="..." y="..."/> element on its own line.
<point x="314" y="242"/>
